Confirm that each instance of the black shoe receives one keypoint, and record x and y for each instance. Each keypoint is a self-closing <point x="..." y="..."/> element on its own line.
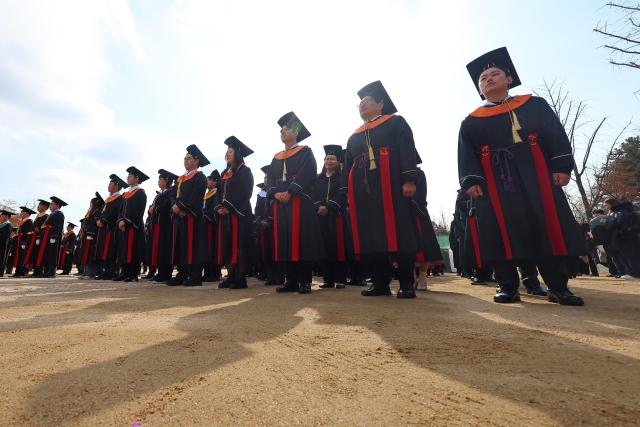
<point x="107" y="277"/>
<point x="192" y="282"/>
<point x="287" y="287"/>
<point x="340" y="286"/>
<point x="374" y="291"/>
<point x="565" y="297"/>
<point x="225" y="284"/>
<point x="475" y="281"/>
<point x="536" y="290"/>
<point x="328" y="286"/>
<point x="118" y="278"/>
<point x="176" y="281"/>
<point x="239" y="284"/>
<point x="305" y="288"/>
<point x="98" y="276"/>
<point x="160" y="279"/>
<point x="506" y="296"/>
<point x="406" y="293"/>
<point x="128" y="279"/>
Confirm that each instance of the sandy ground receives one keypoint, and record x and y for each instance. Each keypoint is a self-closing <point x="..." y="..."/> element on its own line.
<point x="102" y="353"/>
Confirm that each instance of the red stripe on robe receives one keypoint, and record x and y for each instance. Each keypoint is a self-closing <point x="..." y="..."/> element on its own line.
<point x="353" y="216"/>
<point x="234" y="239"/>
<point x="295" y="228"/>
<point x="552" y="223"/>
<point x="387" y="201"/>
<point x="130" y="245"/>
<point x="155" y="246"/>
<point x="107" y="243"/>
<point x="473" y="228"/>
<point x="189" y="239"/>
<point x="220" y="241"/>
<point x="62" y="256"/>
<point x="43" y="243"/>
<point x="340" y="239"/>
<point x="485" y="159"/>
<point x="419" y="254"/>
<point x="275" y="232"/>
<point x="27" y="255"/>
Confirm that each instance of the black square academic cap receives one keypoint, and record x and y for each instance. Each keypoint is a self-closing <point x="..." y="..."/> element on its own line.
<point x="266" y="169"/>
<point x="197" y="154"/>
<point x="27" y="210"/>
<point x="58" y="201"/>
<point x="70" y="224"/>
<point x="6" y="212"/>
<point x="98" y="199"/>
<point x="237" y="145"/>
<point x="292" y="121"/>
<point x="44" y="202"/>
<point x="214" y="175"/>
<point x="137" y="173"/>
<point x="335" y="150"/>
<point x="378" y="92"/>
<point x="498" y="58"/>
<point x="163" y="173"/>
<point x="260" y="185"/>
<point x="121" y="183"/>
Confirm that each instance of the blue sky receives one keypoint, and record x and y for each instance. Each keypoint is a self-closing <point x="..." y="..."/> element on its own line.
<point x="90" y="88"/>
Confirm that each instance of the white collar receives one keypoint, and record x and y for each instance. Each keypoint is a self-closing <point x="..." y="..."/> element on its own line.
<point x="134" y="188"/>
<point x="114" y="193"/>
<point x="488" y="103"/>
<point x="292" y="147"/>
<point x="262" y="193"/>
<point x="375" y="118"/>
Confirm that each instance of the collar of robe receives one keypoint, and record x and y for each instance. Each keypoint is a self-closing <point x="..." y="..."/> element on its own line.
<point x="111" y="198"/>
<point x="375" y="122"/>
<point x="504" y="107"/>
<point x="229" y="172"/>
<point x="285" y="154"/>
<point x="210" y="194"/>
<point x="187" y="176"/>
<point x="131" y="193"/>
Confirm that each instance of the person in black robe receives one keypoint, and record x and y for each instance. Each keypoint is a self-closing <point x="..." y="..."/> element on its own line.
<point x="88" y="258"/>
<point x="235" y="217"/>
<point x="5" y="234"/>
<point x="106" y="241"/>
<point x="380" y="179"/>
<point x="130" y="233"/>
<point x="22" y="241"/>
<point x="161" y="228"/>
<point x="263" y="220"/>
<point x="67" y="245"/>
<point x="148" y="271"/>
<point x="33" y="244"/>
<point x="189" y="243"/>
<point x="210" y="200"/>
<point x="428" y="254"/>
<point x="292" y="177"/>
<point x="50" y="235"/>
<point x="329" y="202"/>
<point x="514" y="157"/>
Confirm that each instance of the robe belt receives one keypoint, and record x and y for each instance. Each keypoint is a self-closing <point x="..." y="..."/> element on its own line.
<point x="502" y="157"/>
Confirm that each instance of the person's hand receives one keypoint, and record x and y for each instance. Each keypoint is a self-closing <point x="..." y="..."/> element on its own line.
<point x="283" y="196"/>
<point x="223" y="211"/>
<point x="264" y="223"/>
<point x="561" y="179"/>
<point x="409" y="189"/>
<point x="182" y="214"/>
<point x="175" y="209"/>
<point x="121" y="225"/>
<point x="475" y="191"/>
<point x="150" y="210"/>
<point x="322" y="210"/>
<point x="99" y="223"/>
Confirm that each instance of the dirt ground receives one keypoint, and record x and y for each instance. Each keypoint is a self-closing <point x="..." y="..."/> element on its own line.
<point x="102" y="353"/>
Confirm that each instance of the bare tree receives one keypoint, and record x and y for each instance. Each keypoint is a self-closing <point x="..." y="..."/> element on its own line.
<point x="587" y="177"/>
<point x="623" y="36"/>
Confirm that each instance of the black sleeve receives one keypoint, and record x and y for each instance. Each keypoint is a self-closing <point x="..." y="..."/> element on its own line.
<point x="470" y="171"/>
<point x="346" y="169"/>
<point x="272" y="180"/>
<point x="555" y="140"/>
<point x="191" y="194"/>
<point x="407" y="151"/>
<point x="241" y="191"/>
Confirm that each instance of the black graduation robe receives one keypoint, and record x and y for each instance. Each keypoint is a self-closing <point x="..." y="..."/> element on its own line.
<point x="131" y="244"/>
<point x="189" y="239"/>
<point x="296" y="230"/>
<point x="234" y="230"/>
<point x="33" y="243"/>
<point x="89" y="235"/>
<point x="161" y="229"/>
<point x="381" y="218"/>
<point x="428" y="246"/>
<point x="211" y="199"/>
<point x="50" y="235"/>
<point x="332" y="225"/>
<point x="106" y="241"/>
<point x="5" y="232"/>
<point x="263" y="220"/>
<point x="522" y="214"/>
<point x="67" y="246"/>
<point x="23" y="241"/>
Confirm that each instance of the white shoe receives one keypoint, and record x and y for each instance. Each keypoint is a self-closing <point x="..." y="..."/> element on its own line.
<point x="627" y="277"/>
